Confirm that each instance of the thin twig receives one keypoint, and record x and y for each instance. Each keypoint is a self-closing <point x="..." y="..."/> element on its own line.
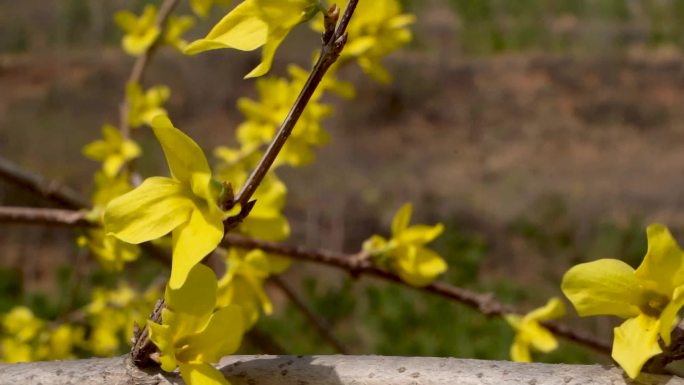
<point x="484" y="303"/>
<point x="333" y="43"/>
<point x="48" y="189"/>
<point x="322" y="326"/>
<point x="143" y="61"/>
<point x="41" y="216"/>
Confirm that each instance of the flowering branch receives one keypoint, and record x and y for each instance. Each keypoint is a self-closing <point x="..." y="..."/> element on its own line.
<point x="334" y="40"/>
<point x="142" y="62"/>
<point x="355" y="264"/>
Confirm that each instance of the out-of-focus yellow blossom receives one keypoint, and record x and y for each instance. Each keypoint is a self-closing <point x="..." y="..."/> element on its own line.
<point x="185" y="205"/>
<point x="193" y="334"/>
<point x="140" y="32"/>
<point x="112" y="253"/>
<point x="529" y="333"/>
<point x="649" y="297"/>
<point x="243" y="282"/>
<point x="113" y="150"/>
<point x="328" y="83"/>
<point x="377" y="29"/>
<point x="26" y="338"/>
<point x="264" y="117"/>
<point x="144" y="106"/>
<point x="176" y="26"/>
<point x="202" y="7"/>
<point x="404" y="253"/>
<point x="112" y="314"/>
<point x="266" y="220"/>
<point x="254" y="24"/>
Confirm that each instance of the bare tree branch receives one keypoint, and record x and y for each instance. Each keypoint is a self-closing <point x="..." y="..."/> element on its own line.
<point x="322" y="326"/>
<point x="48" y="189"/>
<point x="49" y="217"/>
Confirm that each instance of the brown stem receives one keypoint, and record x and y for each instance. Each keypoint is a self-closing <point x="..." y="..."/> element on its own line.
<point x="143" y="61"/>
<point x="333" y="44"/>
<point x="356" y="265"/>
<point x="51" y="190"/>
<point x="321" y="325"/>
<point x="41" y="216"/>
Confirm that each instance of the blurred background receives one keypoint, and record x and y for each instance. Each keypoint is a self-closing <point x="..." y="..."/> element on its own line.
<point x="543" y="133"/>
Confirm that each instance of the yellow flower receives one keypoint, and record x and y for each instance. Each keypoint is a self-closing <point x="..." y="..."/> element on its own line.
<point x="243" y="282"/>
<point x="113" y="150"/>
<point x="404" y="252"/>
<point x="377" y="29"/>
<point x="186" y="204"/>
<point x="254" y="24"/>
<point x="202" y="7"/>
<point x="141" y="32"/>
<point x="144" y="106"/>
<point x="111" y="252"/>
<point x="649" y="297"/>
<point x="176" y="26"/>
<point x="192" y="335"/>
<point x="264" y="117"/>
<point x="529" y="333"/>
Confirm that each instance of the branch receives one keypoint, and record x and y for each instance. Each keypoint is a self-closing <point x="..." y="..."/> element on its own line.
<point x="333" y="44"/>
<point x="141" y="63"/>
<point x="51" y="190"/>
<point x="321" y="325"/>
<point x="484" y="303"/>
<point x="356" y="265"/>
<point x="40" y="216"/>
<point x="332" y="370"/>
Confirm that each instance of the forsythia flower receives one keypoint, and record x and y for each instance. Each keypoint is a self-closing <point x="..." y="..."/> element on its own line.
<point x="141" y="32"/>
<point x="529" y="333"/>
<point x="144" y="106"/>
<point x="256" y="23"/>
<point x="404" y="252"/>
<point x="264" y="117"/>
<point x="110" y="252"/>
<point x="192" y="335"/>
<point x="32" y="339"/>
<point x="112" y="314"/>
<point x="243" y="282"/>
<point x="202" y="7"/>
<point x="113" y="150"/>
<point x="186" y="204"/>
<point x="649" y="297"/>
<point x="176" y="26"/>
<point x="377" y="29"/>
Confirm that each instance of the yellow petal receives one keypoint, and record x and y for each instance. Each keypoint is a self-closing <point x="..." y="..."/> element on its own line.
<point x="222" y="336"/>
<point x="401" y="219"/>
<point x="268" y="229"/>
<point x="420" y="234"/>
<point x="162" y="337"/>
<point x="193" y="241"/>
<point x="636" y="341"/>
<point x="663" y="264"/>
<point x="197" y="296"/>
<point x="669" y="314"/>
<point x="240" y="29"/>
<point x="151" y="211"/>
<point x="183" y="155"/>
<point x="554" y="308"/>
<point x="520" y="351"/>
<point x="201" y="374"/>
<point x="419" y="266"/>
<point x="538" y="336"/>
<point x="606" y="286"/>
<point x="275" y="38"/>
